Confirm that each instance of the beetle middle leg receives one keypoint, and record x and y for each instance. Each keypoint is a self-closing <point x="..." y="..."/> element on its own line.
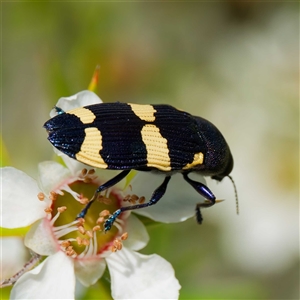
<point x="204" y="191"/>
<point x="102" y="188"/>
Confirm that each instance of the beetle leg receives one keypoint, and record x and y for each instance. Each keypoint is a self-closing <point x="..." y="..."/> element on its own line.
<point x="102" y="188"/>
<point x="156" y="196"/>
<point x="204" y="191"/>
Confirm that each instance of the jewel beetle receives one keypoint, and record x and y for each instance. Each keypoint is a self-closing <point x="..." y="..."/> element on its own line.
<point x="157" y="138"/>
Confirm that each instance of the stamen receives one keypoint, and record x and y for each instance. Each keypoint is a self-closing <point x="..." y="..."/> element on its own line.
<point x="84" y="200"/>
<point x="65" y="244"/>
<point x="79" y="241"/>
<point x="81" y="221"/>
<point x="53" y="196"/>
<point x="96" y="228"/>
<point x="100" y="220"/>
<point x="81" y="230"/>
<point x="91" y="171"/>
<point x="124" y="236"/>
<point x="48" y="210"/>
<point x="41" y="196"/>
<point x="61" y="209"/>
<point x="142" y="200"/>
<point x="104" y="213"/>
<point x="83" y="172"/>
<point x="126" y="198"/>
<point x="89" y="234"/>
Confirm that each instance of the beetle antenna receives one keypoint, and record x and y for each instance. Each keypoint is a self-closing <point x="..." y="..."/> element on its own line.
<point x="236" y="195"/>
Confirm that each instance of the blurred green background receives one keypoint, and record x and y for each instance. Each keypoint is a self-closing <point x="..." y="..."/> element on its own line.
<point x="234" y="63"/>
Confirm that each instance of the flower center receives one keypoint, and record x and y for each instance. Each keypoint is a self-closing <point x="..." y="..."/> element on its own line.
<point x="86" y="237"/>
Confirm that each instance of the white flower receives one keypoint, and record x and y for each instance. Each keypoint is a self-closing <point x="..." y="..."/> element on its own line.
<point x="75" y="249"/>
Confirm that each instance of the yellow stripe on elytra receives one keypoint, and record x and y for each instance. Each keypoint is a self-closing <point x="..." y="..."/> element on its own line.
<point x="85" y="115"/>
<point x="90" y="149"/>
<point x="157" y="148"/>
<point x="198" y="160"/>
<point x="144" y="112"/>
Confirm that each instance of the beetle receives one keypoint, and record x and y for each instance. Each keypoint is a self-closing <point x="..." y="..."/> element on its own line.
<point x="157" y="138"/>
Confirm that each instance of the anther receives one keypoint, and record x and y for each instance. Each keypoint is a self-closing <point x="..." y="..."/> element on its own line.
<point x="53" y="196"/>
<point x="84" y="200"/>
<point x="65" y="244"/>
<point x="61" y="209"/>
<point x="100" y="220"/>
<point x="81" y="230"/>
<point x="48" y="210"/>
<point x="124" y="236"/>
<point x="79" y="241"/>
<point x="91" y="171"/>
<point x="80" y="221"/>
<point x="96" y="228"/>
<point x="41" y="196"/>
<point x="84" y="172"/>
<point x="104" y="213"/>
<point x="142" y="199"/>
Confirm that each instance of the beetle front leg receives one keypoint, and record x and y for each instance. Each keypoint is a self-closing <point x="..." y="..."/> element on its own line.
<point x="204" y="191"/>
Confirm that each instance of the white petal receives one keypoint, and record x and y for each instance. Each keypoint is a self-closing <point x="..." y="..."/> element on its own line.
<point x="52" y="279"/>
<point x="51" y="174"/>
<point x="88" y="271"/>
<point x="178" y="203"/>
<point x="138" y="236"/>
<point x="20" y="205"/>
<point x="73" y="165"/>
<point x="40" y="238"/>
<point x="13" y="256"/>
<point x="82" y="98"/>
<point x="137" y="276"/>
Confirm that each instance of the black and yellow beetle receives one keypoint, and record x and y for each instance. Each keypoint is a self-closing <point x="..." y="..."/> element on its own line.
<point x="126" y="136"/>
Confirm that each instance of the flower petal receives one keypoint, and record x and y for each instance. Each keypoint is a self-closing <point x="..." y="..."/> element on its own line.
<point x="178" y="203"/>
<point x="51" y="174"/>
<point x="40" y="238"/>
<point x="138" y="236"/>
<point x="13" y="256"/>
<point x="88" y="271"/>
<point x="52" y="279"/>
<point x="82" y="98"/>
<point x="137" y="276"/>
<point x="20" y="205"/>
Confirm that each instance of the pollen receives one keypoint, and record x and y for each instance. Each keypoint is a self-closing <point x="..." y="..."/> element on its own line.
<point x="41" y="196"/>
<point x="79" y="241"/>
<point x="53" y="196"/>
<point x="83" y="172"/>
<point x="84" y="200"/>
<point x="61" y="209"/>
<point x="81" y="230"/>
<point x="124" y="236"/>
<point x="48" y="210"/>
<point x="96" y="228"/>
<point x="65" y="244"/>
<point x="134" y="198"/>
<point x="104" y="213"/>
<point x="142" y="200"/>
<point x="91" y="171"/>
<point x="80" y="221"/>
<point x="85" y="242"/>
<point x="100" y="220"/>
